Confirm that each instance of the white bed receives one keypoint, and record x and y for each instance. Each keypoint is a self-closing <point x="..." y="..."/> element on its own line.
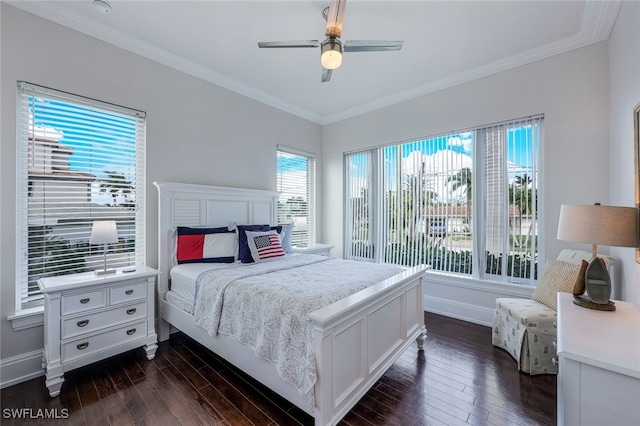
<point x="355" y="340"/>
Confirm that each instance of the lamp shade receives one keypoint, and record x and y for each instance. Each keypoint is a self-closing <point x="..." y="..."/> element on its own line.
<point x="596" y="224"/>
<point x="104" y="232"/>
<point x="300" y="223"/>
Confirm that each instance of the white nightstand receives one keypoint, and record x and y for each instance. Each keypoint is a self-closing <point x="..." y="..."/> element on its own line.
<point x="320" y="249"/>
<point x="89" y="317"/>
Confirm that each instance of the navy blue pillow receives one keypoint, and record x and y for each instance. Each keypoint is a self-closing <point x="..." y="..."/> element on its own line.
<point x="244" y="254"/>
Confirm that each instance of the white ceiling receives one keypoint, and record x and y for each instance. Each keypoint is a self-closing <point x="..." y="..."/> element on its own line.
<point x="445" y="43"/>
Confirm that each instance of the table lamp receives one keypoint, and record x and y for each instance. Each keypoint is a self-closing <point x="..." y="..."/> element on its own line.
<point x="300" y="224"/>
<point x="596" y="224"/>
<point x="104" y="232"/>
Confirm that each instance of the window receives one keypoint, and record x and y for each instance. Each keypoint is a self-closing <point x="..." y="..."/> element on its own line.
<point x="78" y="160"/>
<point x="297" y="187"/>
<point x="465" y="202"/>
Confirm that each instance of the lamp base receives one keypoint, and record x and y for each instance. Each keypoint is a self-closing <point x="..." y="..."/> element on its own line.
<point x="585" y="302"/>
<point x="105" y="271"/>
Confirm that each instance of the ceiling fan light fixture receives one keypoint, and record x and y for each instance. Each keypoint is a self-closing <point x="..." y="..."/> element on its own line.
<point x="331" y="53"/>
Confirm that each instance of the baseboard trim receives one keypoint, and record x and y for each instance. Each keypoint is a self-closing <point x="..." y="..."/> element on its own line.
<point x="463" y="311"/>
<point x="21" y="368"/>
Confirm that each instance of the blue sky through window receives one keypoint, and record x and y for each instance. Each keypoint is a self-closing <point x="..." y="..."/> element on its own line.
<point x="100" y="140"/>
<point x="521" y="155"/>
<point x="88" y="130"/>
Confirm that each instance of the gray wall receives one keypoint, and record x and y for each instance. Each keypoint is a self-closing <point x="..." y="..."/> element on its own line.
<point x="571" y="90"/>
<point x="196" y="132"/>
<point x="624" y="95"/>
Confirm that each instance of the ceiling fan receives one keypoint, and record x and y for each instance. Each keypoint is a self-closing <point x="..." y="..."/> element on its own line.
<point x="332" y="47"/>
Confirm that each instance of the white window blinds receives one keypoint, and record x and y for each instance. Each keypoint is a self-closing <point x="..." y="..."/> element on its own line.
<point x="78" y="160"/>
<point x="296" y="182"/>
<point x="464" y="202"/>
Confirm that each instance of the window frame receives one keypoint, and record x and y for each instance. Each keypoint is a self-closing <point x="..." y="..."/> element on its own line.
<point x="28" y="308"/>
<point x="305" y="236"/>
<point x="379" y="212"/>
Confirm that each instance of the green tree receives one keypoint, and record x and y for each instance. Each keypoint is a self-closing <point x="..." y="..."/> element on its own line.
<point x="116" y="185"/>
<point x="51" y="255"/>
<point x="523" y="181"/>
<point x="520" y="195"/>
<point x="463" y="179"/>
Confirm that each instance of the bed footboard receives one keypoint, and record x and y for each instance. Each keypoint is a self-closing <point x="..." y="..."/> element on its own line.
<point x="358" y="338"/>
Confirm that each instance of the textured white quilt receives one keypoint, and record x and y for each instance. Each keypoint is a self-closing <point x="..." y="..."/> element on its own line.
<point x="266" y="305"/>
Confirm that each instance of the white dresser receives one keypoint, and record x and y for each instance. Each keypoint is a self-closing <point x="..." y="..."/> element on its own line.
<point x="599" y="370"/>
<point x="89" y="317"/>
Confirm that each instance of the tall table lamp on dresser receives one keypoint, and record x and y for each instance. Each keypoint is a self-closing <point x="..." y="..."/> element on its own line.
<point x="596" y="224"/>
<point x="104" y="232"/>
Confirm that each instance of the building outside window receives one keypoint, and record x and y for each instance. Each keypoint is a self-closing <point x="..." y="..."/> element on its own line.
<point x="465" y="202"/>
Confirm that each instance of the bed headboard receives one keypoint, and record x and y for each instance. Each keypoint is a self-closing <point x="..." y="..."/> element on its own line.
<point x="181" y="204"/>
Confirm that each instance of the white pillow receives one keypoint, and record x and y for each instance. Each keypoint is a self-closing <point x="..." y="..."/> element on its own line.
<point x="264" y="245"/>
<point x="577" y="256"/>
<point x="286" y="237"/>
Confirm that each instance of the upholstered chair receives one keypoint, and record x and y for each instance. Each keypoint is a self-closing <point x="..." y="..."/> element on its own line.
<point x="526" y="328"/>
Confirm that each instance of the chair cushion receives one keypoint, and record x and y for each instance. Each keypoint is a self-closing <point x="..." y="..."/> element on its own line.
<point x="557" y="276"/>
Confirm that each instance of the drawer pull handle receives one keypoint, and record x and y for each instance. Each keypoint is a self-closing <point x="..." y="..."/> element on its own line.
<point x="130" y="332"/>
<point x="83" y="323"/>
<point x="85" y="300"/>
<point x="128" y="292"/>
<point x="131" y="311"/>
<point x="82" y="346"/>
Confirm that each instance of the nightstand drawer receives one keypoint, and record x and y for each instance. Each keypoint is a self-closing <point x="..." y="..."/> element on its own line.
<point x="86" y="346"/>
<point x="125" y="293"/>
<point x="79" y="302"/>
<point x="71" y="327"/>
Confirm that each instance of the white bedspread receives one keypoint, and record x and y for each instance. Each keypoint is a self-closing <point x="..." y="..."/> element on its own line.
<point x="266" y="305"/>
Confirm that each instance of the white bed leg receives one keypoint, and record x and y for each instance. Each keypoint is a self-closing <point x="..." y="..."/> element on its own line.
<point x="163" y="330"/>
<point x="421" y="339"/>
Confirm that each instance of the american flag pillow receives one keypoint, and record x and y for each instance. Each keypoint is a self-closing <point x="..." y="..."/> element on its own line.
<point x="264" y="245"/>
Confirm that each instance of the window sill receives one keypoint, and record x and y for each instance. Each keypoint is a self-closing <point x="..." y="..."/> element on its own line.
<point x="27" y="318"/>
<point x="506" y="289"/>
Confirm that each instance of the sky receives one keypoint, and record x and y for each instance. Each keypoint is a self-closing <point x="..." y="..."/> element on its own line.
<point x="105" y="143"/>
<point x="441" y="157"/>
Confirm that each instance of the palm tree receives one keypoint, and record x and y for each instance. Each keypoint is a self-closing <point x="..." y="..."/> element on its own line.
<point x="115" y="184"/>
<point x="463" y="179"/>
<point x="523" y="181"/>
<point x="520" y="196"/>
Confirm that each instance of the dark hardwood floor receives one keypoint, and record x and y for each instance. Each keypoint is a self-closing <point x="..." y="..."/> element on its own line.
<point x="460" y="379"/>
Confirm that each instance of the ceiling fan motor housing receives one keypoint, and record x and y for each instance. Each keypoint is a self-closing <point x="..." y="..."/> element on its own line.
<point x="331" y="53"/>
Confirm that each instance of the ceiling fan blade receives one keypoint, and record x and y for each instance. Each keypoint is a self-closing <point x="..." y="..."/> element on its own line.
<point x="371" y="45"/>
<point x="335" y="17"/>
<point x="288" y="44"/>
<point x="326" y="75"/>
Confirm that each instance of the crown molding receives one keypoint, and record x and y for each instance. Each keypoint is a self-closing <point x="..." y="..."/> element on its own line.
<point x="50" y="11"/>
<point x="596" y="26"/>
<point x="597" y="23"/>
